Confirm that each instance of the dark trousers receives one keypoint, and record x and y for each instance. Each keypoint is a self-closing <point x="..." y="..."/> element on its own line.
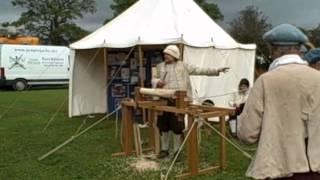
<point x="302" y="176"/>
<point x="169" y="122"/>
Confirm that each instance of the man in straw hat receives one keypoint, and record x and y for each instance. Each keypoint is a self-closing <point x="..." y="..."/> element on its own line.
<point x="282" y="112"/>
<point x="174" y="74"/>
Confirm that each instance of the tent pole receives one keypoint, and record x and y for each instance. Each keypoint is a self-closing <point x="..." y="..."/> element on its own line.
<point x="141" y="66"/>
<point x="142" y="74"/>
<point x="105" y="57"/>
<point x="181" y="48"/>
<point x="106" y="76"/>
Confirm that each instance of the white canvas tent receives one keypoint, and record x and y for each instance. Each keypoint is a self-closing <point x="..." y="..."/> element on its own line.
<point x="152" y="22"/>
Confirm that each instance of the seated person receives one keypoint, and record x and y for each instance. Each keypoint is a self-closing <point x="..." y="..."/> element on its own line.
<point x="238" y="100"/>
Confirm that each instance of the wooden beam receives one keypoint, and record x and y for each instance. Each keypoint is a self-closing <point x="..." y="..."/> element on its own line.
<point x="155" y="106"/>
<point x="127" y="120"/>
<point x="222" y="142"/>
<point x="193" y="154"/>
<point x="128" y="103"/>
<point x="156" y="133"/>
<point x="169" y="109"/>
<point x="137" y="94"/>
<point x="212" y="114"/>
<point x="151" y="120"/>
<point x="143" y="104"/>
<point x="180" y="99"/>
<point x="212" y="108"/>
<point x="147" y="104"/>
<point x="139" y="98"/>
<point x="201" y="172"/>
<point x="137" y="137"/>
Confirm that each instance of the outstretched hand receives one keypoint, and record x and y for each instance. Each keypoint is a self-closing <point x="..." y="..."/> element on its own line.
<point x="224" y="69"/>
<point x="160" y="84"/>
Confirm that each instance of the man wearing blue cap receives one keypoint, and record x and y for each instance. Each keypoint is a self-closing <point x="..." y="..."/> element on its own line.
<point x="313" y="58"/>
<point x="282" y="112"/>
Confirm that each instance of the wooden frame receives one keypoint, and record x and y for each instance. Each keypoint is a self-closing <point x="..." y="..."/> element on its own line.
<point x="182" y="108"/>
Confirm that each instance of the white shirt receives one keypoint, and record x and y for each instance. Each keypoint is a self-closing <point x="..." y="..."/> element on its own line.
<point x="286" y="59"/>
<point x="170" y="77"/>
<point x="239" y="98"/>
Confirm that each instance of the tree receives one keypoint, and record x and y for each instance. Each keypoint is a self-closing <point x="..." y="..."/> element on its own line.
<point x="52" y="20"/>
<point x="314" y="36"/>
<point x="211" y="9"/>
<point x="249" y="27"/>
<point x="119" y="6"/>
<point x="67" y="33"/>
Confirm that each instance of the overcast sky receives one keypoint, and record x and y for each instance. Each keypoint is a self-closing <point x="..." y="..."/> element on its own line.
<point x="303" y="13"/>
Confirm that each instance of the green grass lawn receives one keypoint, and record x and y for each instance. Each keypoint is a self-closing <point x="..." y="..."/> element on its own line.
<point x="22" y="141"/>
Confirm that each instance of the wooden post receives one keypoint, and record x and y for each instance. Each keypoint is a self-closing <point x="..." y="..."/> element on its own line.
<point x="139" y="97"/>
<point x="151" y="128"/>
<point x="137" y="140"/>
<point x="137" y="135"/>
<point x="137" y="94"/>
<point x="181" y="103"/>
<point x="193" y="153"/>
<point x="141" y="66"/>
<point x="222" y="142"/>
<point x="156" y="133"/>
<point x="127" y="129"/>
<point x="180" y="99"/>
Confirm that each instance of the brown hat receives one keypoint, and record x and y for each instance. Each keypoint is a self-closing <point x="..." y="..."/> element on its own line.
<point x="172" y="50"/>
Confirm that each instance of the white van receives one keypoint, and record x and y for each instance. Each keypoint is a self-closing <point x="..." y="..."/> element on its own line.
<point x="26" y="65"/>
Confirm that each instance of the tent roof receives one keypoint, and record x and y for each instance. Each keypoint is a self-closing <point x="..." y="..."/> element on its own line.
<point x="150" y="22"/>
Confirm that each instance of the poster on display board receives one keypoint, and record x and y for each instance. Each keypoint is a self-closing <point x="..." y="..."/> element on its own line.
<point x="133" y="64"/>
<point x="114" y="72"/>
<point x="125" y="74"/>
<point x="116" y="102"/>
<point x="117" y="58"/>
<point x="118" y="90"/>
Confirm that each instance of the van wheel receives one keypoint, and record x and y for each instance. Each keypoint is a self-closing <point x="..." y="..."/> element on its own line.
<point x="19" y="85"/>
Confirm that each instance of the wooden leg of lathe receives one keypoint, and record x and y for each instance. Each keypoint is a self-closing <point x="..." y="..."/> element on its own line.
<point x="222" y="142"/>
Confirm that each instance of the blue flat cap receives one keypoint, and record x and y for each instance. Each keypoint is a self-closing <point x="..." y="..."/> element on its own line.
<point x="285" y="34"/>
<point x="313" y="56"/>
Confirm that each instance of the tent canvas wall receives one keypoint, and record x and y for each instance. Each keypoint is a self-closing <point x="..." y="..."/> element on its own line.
<point x="219" y="89"/>
<point x="149" y="22"/>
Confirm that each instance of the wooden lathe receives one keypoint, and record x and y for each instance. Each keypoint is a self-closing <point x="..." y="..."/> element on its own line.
<point x="182" y="108"/>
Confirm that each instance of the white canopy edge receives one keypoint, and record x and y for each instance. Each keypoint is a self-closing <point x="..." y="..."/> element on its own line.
<point x="155" y="22"/>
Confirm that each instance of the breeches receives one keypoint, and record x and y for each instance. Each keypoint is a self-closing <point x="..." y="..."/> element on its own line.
<point x="169" y="122"/>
